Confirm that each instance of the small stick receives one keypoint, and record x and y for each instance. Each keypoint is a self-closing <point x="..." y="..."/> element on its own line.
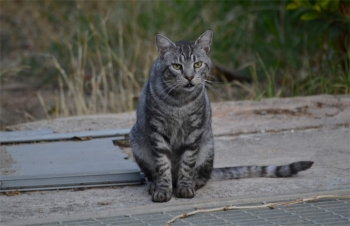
<point x="269" y="205"/>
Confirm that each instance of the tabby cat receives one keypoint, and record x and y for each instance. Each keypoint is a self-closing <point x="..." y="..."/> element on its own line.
<point x="172" y="140"/>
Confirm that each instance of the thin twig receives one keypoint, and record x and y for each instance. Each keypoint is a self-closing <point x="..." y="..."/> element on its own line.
<point x="269" y="205"/>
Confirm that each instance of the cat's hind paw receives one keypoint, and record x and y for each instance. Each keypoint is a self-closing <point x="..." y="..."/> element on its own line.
<point x="152" y="188"/>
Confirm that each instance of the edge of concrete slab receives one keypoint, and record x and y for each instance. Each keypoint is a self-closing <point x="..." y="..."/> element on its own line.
<point x="229" y="117"/>
<point x="209" y="203"/>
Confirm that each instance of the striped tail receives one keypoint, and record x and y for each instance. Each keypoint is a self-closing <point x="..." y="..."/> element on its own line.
<point x="259" y="171"/>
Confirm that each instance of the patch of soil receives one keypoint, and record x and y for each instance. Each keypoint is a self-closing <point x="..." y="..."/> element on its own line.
<point x="12" y="193"/>
<point x="299" y="111"/>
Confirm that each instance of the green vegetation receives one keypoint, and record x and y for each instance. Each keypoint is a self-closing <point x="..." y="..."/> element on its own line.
<point x="99" y="52"/>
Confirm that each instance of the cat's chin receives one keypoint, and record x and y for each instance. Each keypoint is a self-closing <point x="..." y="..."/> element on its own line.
<point x="189" y="87"/>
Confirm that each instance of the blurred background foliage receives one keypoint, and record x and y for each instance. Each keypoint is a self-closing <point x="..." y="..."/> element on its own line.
<point x="94" y="56"/>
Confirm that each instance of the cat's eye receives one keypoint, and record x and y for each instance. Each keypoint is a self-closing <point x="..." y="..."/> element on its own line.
<point x="176" y="66"/>
<point x="197" y="64"/>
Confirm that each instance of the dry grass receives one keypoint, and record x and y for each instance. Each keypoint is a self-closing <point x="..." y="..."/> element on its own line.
<point x="95" y="55"/>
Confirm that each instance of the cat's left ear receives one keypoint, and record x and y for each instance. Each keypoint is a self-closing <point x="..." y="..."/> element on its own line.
<point x="204" y="41"/>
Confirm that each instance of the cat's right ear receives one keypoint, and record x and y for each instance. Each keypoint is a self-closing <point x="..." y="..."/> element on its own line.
<point x="204" y="41"/>
<point x="163" y="44"/>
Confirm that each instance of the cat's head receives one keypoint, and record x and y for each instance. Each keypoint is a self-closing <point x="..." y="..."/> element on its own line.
<point x="184" y="64"/>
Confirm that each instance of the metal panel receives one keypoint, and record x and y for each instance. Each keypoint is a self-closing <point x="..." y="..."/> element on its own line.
<point x="48" y="135"/>
<point x="25" y="133"/>
<point x="282" y="215"/>
<point x="70" y="163"/>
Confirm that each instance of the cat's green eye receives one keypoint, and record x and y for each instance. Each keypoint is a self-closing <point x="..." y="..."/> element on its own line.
<point x="197" y="64"/>
<point x="176" y="66"/>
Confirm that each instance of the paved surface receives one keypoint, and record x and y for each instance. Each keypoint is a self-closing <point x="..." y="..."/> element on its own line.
<point x="322" y="212"/>
<point x="273" y="131"/>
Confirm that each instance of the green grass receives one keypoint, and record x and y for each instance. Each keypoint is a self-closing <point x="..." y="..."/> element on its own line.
<point x="99" y="52"/>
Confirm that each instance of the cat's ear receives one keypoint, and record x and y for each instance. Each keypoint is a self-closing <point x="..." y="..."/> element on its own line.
<point x="163" y="44"/>
<point x="204" y="41"/>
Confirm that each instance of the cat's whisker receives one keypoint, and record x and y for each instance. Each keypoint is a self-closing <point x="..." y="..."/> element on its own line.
<point x="176" y="90"/>
<point x="172" y="89"/>
<point x="165" y="90"/>
<point x="213" y="89"/>
<point x="213" y="82"/>
<point x="168" y="82"/>
<point x="215" y="78"/>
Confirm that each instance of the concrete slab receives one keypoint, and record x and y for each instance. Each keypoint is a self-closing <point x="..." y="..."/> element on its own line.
<point x="273" y="131"/>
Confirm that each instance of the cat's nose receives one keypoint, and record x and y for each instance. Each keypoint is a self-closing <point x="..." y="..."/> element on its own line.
<point x="189" y="78"/>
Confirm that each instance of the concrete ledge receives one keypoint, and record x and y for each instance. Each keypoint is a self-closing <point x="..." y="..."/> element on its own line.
<point x="229" y="118"/>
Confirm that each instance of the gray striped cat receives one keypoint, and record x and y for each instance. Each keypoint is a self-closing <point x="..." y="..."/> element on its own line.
<point x="172" y="140"/>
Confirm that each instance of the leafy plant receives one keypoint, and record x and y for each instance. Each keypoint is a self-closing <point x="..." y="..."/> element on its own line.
<point x="333" y="18"/>
<point x="316" y="9"/>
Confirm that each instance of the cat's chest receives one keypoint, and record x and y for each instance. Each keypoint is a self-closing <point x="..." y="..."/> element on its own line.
<point x="180" y="125"/>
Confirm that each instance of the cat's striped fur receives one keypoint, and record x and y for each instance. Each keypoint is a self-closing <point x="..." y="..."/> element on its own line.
<point x="172" y="140"/>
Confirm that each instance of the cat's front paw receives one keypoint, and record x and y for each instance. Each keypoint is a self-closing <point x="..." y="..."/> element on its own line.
<point x="185" y="192"/>
<point x="152" y="188"/>
<point x="161" y="195"/>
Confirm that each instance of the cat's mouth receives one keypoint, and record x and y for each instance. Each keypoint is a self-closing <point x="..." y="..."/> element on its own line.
<point x="189" y="85"/>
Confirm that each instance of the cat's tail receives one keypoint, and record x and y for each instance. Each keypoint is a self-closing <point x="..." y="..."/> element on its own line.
<point x="259" y="171"/>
